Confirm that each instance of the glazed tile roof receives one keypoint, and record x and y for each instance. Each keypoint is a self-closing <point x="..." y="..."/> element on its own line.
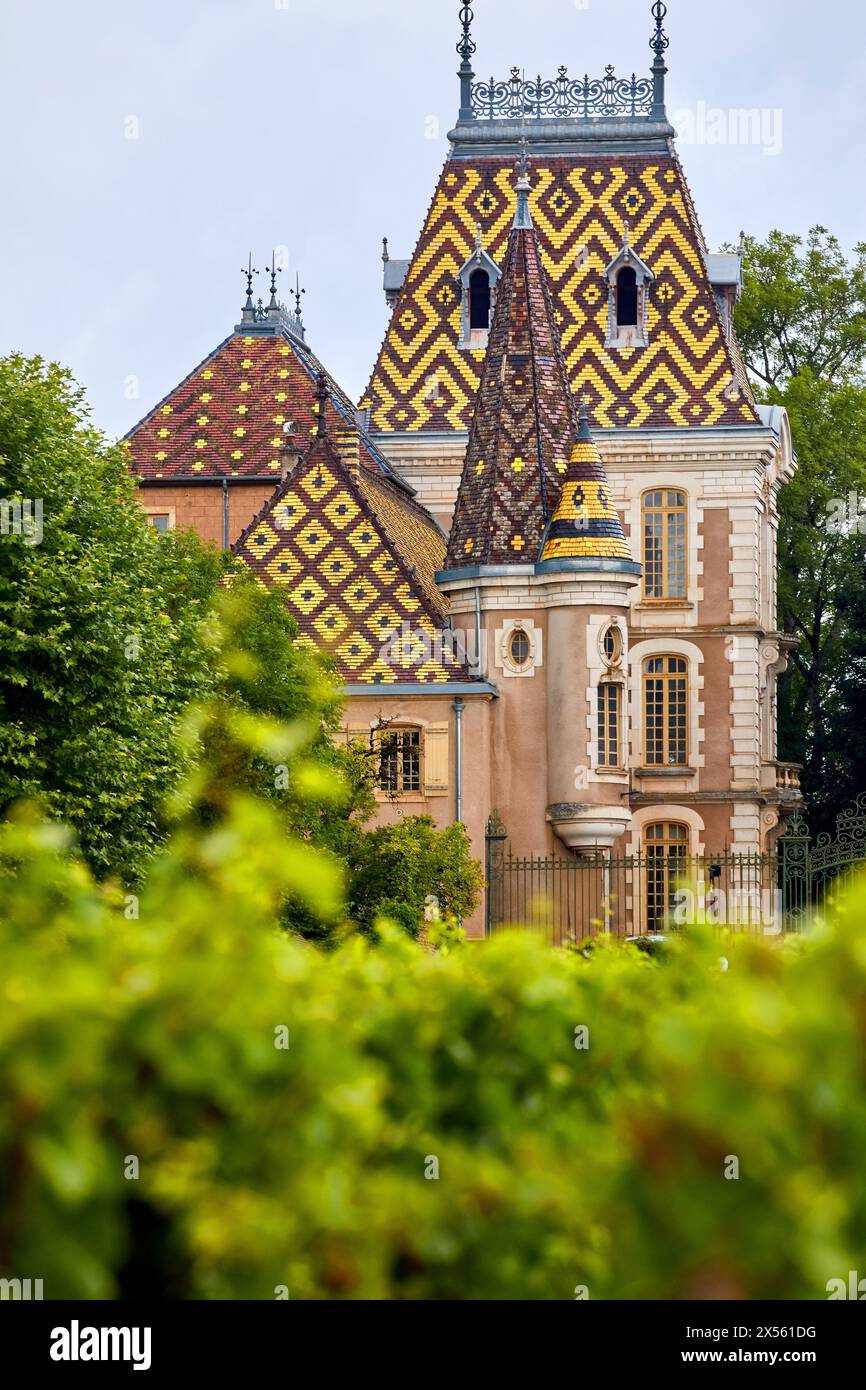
<point x="586" y="524"/>
<point x="356" y="557"/>
<point x="522" y="426"/>
<point x="226" y="417"/>
<point x="687" y="376"/>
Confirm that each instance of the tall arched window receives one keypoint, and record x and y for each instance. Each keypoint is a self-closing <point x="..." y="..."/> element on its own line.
<point x="665" y="543"/>
<point x="479" y="299"/>
<point x="626" y="298"/>
<point x="666" y="846"/>
<point x="666" y="711"/>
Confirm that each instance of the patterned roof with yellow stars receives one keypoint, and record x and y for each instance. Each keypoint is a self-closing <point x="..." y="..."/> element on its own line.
<point x="356" y="557"/>
<point x="686" y="376"/>
<point x="586" y="524"/>
<point x="522" y="427"/>
<point x="226" y="418"/>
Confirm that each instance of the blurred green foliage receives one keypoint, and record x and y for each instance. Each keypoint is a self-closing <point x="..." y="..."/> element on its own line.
<point x="308" y="1165"/>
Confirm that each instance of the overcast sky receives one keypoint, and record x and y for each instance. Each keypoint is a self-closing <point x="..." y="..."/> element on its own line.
<point x="147" y="145"/>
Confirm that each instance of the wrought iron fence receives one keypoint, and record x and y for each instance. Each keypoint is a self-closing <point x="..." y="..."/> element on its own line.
<point x="569" y="898"/>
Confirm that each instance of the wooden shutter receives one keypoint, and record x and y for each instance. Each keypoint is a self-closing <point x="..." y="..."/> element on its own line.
<point x="436" y="760"/>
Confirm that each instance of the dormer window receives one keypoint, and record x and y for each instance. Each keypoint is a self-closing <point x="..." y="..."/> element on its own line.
<point x="626" y="298"/>
<point x="629" y="280"/>
<point x="477" y="281"/>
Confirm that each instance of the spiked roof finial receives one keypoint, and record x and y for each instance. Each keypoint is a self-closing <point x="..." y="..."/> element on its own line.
<point x="297" y="294"/>
<point x="466" y="48"/>
<point x="249" y="273"/>
<point x="659" y="43"/>
<point x="274" y="270"/>
<point x="467" y="45"/>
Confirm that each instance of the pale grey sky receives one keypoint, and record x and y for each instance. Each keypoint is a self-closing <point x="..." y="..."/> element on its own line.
<point x="307" y="123"/>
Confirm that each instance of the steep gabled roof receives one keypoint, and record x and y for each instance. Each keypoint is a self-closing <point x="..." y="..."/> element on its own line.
<point x="686" y="376"/>
<point x="522" y="426"/>
<point x="226" y="417"/>
<point x="356" y="556"/>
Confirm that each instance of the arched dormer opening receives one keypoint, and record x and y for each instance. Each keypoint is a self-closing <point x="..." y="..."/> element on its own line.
<point x="626" y="298"/>
<point x="477" y="281"/>
<point x="629" y="280"/>
<point x="480" y="295"/>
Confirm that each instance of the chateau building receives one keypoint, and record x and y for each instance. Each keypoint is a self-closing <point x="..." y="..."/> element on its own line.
<point x="543" y="547"/>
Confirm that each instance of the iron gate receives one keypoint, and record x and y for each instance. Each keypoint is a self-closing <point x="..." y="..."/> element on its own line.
<point x="571" y="897"/>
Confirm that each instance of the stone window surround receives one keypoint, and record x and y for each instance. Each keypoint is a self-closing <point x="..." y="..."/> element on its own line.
<point x="502" y="650"/>
<point x="601" y="671"/>
<point x="667" y="646"/>
<point x="170" y="512"/>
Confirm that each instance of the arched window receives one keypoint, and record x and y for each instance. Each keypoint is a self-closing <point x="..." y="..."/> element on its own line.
<point x="479" y="299"/>
<point x="609" y="724"/>
<point x="666" y="711"/>
<point x="665" y="540"/>
<point x="666" y="846"/>
<point x="626" y="298"/>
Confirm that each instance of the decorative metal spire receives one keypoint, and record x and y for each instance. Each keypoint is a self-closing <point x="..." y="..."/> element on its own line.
<point x="297" y="294"/>
<point x="386" y="254"/>
<point x="466" y="47"/>
<point x="322" y="398"/>
<point x="523" y="216"/>
<point x="659" y="43"/>
<point x="249" y="273"/>
<point x="274" y="270"/>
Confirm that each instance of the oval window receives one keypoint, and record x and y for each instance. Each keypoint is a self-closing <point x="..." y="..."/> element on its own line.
<point x="613" y="644"/>
<point x="519" y="649"/>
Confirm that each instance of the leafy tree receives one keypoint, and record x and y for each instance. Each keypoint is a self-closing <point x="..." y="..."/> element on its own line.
<point x="804" y="309"/>
<point x="100" y="626"/>
<point x="397" y="869"/>
<point x="802" y="326"/>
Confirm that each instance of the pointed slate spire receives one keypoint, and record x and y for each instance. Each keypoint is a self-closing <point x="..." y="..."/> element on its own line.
<point x="523" y="425"/>
<point x="586" y="524"/>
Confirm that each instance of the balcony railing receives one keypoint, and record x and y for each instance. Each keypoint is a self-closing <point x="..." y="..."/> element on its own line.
<point x="562" y="98"/>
